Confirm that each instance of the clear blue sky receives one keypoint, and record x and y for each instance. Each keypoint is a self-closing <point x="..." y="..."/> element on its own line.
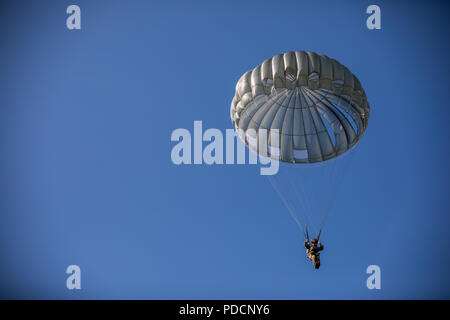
<point x="86" y="175"/>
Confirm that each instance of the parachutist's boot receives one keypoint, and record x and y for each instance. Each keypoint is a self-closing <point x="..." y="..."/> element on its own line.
<point x="316" y="261"/>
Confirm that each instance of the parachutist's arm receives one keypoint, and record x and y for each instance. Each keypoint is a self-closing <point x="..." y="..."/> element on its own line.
<point x="321" y="246"/>
<point x="306" y="245"/>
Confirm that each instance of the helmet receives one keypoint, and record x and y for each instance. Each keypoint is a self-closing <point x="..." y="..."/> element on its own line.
<point x="314" y="240"/>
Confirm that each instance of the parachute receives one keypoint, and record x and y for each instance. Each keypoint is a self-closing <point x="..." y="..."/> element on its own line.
<point x="316" y="103"/>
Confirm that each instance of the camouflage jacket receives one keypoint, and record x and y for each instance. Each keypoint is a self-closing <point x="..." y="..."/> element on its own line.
<point x="313" y="249"/>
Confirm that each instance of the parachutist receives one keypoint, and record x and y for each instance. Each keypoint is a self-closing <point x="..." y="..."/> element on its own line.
<point x="312" y="251"/>
<point x="319" y="107"/>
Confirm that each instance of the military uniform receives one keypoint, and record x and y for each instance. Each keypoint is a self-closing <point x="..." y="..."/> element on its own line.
<point x="312" y="252"/>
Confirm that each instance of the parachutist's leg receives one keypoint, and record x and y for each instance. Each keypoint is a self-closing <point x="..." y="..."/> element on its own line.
<point x="316" y="261"/>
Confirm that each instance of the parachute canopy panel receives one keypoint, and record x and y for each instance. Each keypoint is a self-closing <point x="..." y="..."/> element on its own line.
<point x="317" y="104"/>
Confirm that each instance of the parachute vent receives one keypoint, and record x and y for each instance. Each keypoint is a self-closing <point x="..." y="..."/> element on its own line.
<point x="291" y="77"/>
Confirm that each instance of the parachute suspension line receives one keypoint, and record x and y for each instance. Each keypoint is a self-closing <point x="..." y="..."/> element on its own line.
<point x="347" y="165"/>
<point x="325" y="204"/>
<point x="278" y="188"/>
<point x="338" y="180"/>
<point x="300" y="211"/>
<point x="292" y="211"/>
<point x="302" y="199"/>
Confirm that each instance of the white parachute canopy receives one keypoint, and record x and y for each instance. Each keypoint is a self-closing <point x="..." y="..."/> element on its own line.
<point x="317" y="104"/>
